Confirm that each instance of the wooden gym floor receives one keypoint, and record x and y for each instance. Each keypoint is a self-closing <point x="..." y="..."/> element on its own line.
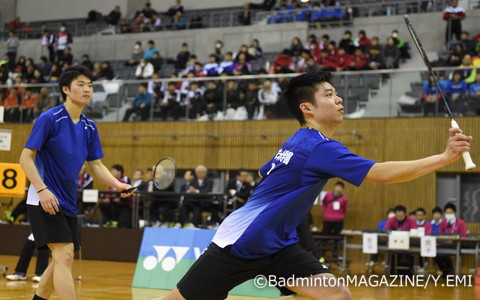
<point x="109" y="280"/>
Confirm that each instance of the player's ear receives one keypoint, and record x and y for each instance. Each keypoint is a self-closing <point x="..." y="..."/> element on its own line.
<point x="65" y="89"/>
<point x="305" y="107"/>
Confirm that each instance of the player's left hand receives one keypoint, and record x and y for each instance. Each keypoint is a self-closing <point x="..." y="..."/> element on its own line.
<point x="123" y="186"/>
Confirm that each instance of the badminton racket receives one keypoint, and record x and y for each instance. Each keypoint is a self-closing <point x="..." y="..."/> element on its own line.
<point x="466" y="155"/>
<point x="163" y="175"/>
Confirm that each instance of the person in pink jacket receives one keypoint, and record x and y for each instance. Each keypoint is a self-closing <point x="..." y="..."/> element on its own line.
<point x="401" y="221"/>
<point x="334" y="209"/>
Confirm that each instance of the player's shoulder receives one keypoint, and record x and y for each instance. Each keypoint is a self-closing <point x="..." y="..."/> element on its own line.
<point x="52" y="115"/>
<point x="89" y="124"/>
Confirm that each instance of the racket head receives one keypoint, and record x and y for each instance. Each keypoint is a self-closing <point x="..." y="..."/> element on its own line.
<point x="164" y="173"/>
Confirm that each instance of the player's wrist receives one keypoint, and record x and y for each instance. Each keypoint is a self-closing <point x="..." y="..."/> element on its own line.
<point x="42" y="189"/>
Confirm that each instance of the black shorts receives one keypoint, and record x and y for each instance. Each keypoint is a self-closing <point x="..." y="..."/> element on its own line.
<point x="216" y="271"/>
<point x="57" y="228"/>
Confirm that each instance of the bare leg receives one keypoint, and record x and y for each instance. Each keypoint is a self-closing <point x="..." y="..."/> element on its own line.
<point x="45" y="287"/>
<point x="320" y="292"/>
<point x="174" y="295"/>
<point x="62" y="260"/>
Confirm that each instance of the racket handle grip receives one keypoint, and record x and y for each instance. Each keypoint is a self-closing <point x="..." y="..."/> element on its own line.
<point x="469" y="164"/>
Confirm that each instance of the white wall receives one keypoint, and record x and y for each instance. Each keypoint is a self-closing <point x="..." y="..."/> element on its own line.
<point x="41" y="10"/>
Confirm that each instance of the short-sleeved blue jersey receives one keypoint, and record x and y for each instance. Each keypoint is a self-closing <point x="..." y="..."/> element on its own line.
<point x="292" y="180"/>
<point x="63" y="147"/>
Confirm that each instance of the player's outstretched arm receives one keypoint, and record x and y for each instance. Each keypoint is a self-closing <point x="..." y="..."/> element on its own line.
<point x="99" y="170"/>
<point x="401" y="171"/>
<point x="47" y="199"/>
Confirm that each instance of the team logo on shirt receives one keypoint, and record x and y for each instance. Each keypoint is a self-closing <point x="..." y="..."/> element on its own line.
<point x="283" y="156"/>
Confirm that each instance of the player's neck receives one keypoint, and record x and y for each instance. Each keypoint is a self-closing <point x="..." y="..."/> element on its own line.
<point x="74" y="110"/>
<point x="325" y="130"/>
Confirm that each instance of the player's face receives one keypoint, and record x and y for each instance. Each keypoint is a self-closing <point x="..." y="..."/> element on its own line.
<point x="80" y="91"/>
<point x="328" y="108"/>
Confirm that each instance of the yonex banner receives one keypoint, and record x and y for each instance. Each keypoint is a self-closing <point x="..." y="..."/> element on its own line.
<point x="166" y="254"/>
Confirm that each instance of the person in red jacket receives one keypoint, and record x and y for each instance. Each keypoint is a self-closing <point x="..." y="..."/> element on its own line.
<point x="454" y="15"/>
<point x="401" y="221"/>
<point x="334" y="209"/>
<point x="359" y="61"/>
<point x="450" y="224"/>
<point x="343" y="60"/>
<point x="420" y="215"/>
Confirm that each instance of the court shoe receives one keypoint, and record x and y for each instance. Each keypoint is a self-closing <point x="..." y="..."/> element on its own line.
<point x="17" y="276"/>
<point x="36" y="278"/>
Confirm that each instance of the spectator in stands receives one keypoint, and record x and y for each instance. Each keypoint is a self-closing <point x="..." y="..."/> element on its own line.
<point x="107" y="71"/>
<point x="148" y="11"/>
<point x="244" y="50"/>
<point x="454" y="15"/>
<point x="37" y="79"/>
<point x="12" y="46"/>
<point x="234" y="96"/>
<point x="333" y="63"/>
<point x="114" y="16"/>
<point x="48" y="41"/>
<point x="254" y="49"/>
<point x="28" y="30"/>
<point x="139" y="23"/>
<point x="148" y="54"/>
<point x="177" y="7"/>
<point x="242" y="66"/>
<point x="375" y="59"/>
<point x="11" y="105"/>
<point x="140" y="105"/>
<point x="359" y="61"/>
<point x="182" y="57"/>
<point x="296" y="47"/>
<point x="144" y="69"/>
<point x="431" y="95"/>
<point x="196" y="21"/>
<point x="311" y="66"/>
<point x="283" y="63"/>
<point x="67" y="56"/>
<point x="213" y="99"/>
<point x="194" y="103"/>
<point x="212" y="68"/>
<point x="420" y="215"/>
<point x="29" y="101"/>
<point x="14" y="24"/>
<point x="400" y="43"/>
<point x="267" y="98"/>
<point x="63" y="39"/>
<point x="362" y="40"/>
<point x="44" y="102"/>
<point x="170" y="104"/>
<point x="124" y="26"/>
<point x="227" y="65"/>
<point x="391" y="54"/>
<point x="334" y="208"/>
<point x="245" y="16"/>
<point x="137" y="177"/>
<point x="86" y="62"/>
<point x="55" y="73"/>
<point x="157" y="62"/>
<point x="455" y="58"/>
<point x="347" y="42"/>
<point x="457" y="92"/>
<point x="401" y="221"/>
<point x="201" y="184"/>
<point x="467" y="43"/>
<point x="218" y="51"/>
<point x="250" y="99"/>
<point x="137" y="55"/>
<point x="451" y="224"/>
<point x="332" y="49"/>
<point x="117" y="212"/>
<point x="44" y="66"/>
<point x="239" y="189"/>
<point x="469" y="75"/>
<point x="97" y="70"/>
<point x="437" y="214"/>
<point x="178" y="21"/>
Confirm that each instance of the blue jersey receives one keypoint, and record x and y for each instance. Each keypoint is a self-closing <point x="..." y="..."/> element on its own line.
<point x="63" y="147"/>
<point x="475" y="88"/>
<point x="292" y="180"/>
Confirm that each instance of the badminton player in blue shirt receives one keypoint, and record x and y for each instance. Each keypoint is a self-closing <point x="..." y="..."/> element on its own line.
<point x="62" y="139"/>
<point x="260" y="237"/>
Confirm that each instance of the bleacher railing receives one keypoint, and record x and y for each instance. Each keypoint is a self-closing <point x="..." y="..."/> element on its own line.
<point x="376" y="93"/>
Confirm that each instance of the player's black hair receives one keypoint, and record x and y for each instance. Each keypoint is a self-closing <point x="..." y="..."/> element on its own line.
<point x="302" y="89"/>
<point x="422" y="210"/>
<point x="70" y="74"/>
<point x="451" y="206"/>
<point x="437" y="209"/>
<point x="118" y="168"/>
<point x="340" y="184"/>
<point x="400" y="208"/>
